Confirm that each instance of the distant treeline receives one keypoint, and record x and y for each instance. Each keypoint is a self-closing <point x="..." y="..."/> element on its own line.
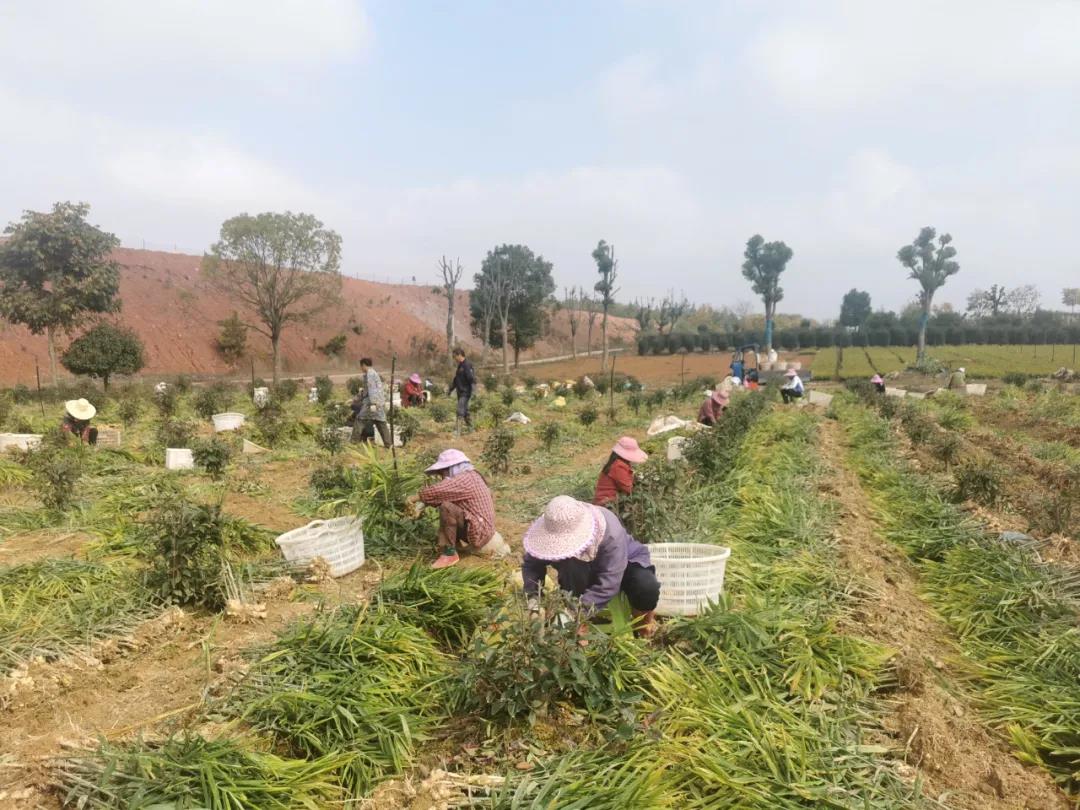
<point x="824" y="338"/>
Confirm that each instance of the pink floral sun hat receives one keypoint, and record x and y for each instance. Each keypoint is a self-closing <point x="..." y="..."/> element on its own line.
<point x="627" y="448"/>
<point x="447" y="458"/>
<point x="721" y="397"/>
<point x="566" y="529"/>
<point x="876" y="379"/>
<point x="414" y="378"/>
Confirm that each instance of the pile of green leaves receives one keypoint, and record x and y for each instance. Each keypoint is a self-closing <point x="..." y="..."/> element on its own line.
<point x="52" y="606"/>
<point x="450" y="604"/>
<point x="647" y="512"/>
<point x="189" y="771"/>
<point x="381" y="497"/>
<point x="713" y="452"/>
<point x="357" y="684"/>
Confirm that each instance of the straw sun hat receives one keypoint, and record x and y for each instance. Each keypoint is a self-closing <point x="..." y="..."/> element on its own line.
<point x="80" y="409"/>
<point x="447" y="458"/>
<point x="627" y="448"/>
<point x="721" y="397"/>
<point x="566" y="529"/>
<point x="790" y="372"/>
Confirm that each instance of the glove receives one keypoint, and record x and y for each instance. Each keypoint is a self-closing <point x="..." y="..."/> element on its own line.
<point x="533" y="604"/>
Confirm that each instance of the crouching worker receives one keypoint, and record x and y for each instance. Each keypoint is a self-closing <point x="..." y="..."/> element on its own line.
<point x="617" y="476"/>
<point x="595" y="558"/>
<point x="77" y="416"/>
<point x="878" y="383"/>
<point x="713" y="408"/>
<point x="466" y="509"/>
<point x="793" y="388"/>
<point x="412" y="393"/>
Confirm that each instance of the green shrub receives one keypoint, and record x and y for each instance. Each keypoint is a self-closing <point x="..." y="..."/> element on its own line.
<point x="497" y="412"/>
<point x="1017" y="378"/>
<point x="274" y="425"/>
<point x="947" y="447"/>
<point x="977" y="481"/>
<point x="216" y="398"/>
<point x="324" y="389"/>
<point x="525" y="667"/>
<point x="405" y="425"/>
<point x="286" y="390"/>
<point x="212" y="455"/>
<point x="128" y="410"/>
<point x="336" y="414"/>
<point x="635" y="401"/>
<point x="497" y="450"/>
<point x="588" y="415"/>
<point x="646" y="512"/>
<point x="508" y="397"/>
<point x="103" y="351"/>
<point x="581" y="389"/>
<point x="354" y="384"/>
<point x="172" y="432"/>
<point x="549" y="434"/>
<point x="187" y="553"/>
<point x="182" y="383"/>
<point x="167" y="401"/>
<point x="491" y="382"/>
<point x="56" y="467"/>
<point x="439" y="413"/>
<point x="329" y="438"/>
<point x="332" y="482"/>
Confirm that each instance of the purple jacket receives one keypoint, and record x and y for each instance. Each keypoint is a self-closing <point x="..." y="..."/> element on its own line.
<point x="616" y="551"/>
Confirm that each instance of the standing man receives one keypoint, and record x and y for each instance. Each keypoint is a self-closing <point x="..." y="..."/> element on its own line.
<point x="464" y="380"/>
<point x="369" y="407"/>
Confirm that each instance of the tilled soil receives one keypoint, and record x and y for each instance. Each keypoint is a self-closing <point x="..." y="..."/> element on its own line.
<point x="931" y="722"/>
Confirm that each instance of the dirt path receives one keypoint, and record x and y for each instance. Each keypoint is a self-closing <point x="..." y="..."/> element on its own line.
<point x="929" y="719"/>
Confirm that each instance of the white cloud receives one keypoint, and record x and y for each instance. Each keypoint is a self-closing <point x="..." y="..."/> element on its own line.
<point x="118" y="37"/>
<point x="851" y="52"/>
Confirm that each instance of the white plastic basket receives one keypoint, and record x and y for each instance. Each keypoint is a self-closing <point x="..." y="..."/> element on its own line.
<point x="19" y="441"/>
<point x="179" y="458"/>
<point x="227" y="421"/>
<point x="339" y="541"/>
<point x="691" y="575"/>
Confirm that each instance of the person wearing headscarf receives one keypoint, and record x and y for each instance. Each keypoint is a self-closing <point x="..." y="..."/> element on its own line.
<point x="713" y="407"/>
<point x="878" y="383"/>
<point x="466" y="507"/>
<point x="412" y="392"/>
<point x="793" y="388"/>
<point x="617" y="476"/>
<point x="594" y="557"/>
<point x="77" y="416"/>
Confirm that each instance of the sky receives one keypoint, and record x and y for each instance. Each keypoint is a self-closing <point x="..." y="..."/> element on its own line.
<point x="674" y="130"/>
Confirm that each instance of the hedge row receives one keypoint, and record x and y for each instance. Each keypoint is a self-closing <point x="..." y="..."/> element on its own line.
<point x="826" y="338"/>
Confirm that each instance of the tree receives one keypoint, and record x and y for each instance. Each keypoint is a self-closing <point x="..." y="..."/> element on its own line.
<point x="671" y="312"/>
<point x="987" y="303"/>
<point x="1023" y="300"/>
<point x="55" y="272"/>
<point x="286" y="268"/>
<point x="643" y="314"/>
<point x="607" y="267"/>
<point x="103" y="351"/>
<point x="930" y="265"/>
<point x="572" y="301"/>
<point x="482" y="302"/>
<point x="516" y="284"/>
<point x="451" y="275"/>
<point x="765" y="261"/>
<point x="592" y="310"/>
<point x="855" y="309"/>
<point x="232" y="341"/>
<point x="1070" y="297"/>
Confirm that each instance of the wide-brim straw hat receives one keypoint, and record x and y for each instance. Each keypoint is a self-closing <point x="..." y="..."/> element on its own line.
<point x="414" y="378"/>
<point x="447" y="458"/>
<point x="721" y="397"/>
<point x="628" y="448"/>
<point x="80" y="409"/>
<point x="567" y="527"/>
<point x="790" y="372"/>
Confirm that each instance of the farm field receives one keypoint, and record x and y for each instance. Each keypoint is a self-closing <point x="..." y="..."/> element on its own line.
<point x="877" y="644"/>
<point x="979" y="361"/>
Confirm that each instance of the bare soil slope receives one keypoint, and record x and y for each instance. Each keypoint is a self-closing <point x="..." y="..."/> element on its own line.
<point x="176" y="313"/>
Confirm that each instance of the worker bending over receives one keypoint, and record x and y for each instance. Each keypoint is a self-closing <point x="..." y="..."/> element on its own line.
<point x="466" y="508"/>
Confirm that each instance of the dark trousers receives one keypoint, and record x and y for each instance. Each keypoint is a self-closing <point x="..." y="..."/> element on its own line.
<point x="789" y="395"/>
<point x="463" y="408"/>
<point x="639" y="583"/>
<point x="368" y="428"/>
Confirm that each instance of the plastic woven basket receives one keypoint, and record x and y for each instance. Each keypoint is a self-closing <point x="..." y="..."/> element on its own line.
<point x="339" y="541"/>
<point x="691" y="576"/>
<point x="19" y="441"/>
<point x="227" y="421"/>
